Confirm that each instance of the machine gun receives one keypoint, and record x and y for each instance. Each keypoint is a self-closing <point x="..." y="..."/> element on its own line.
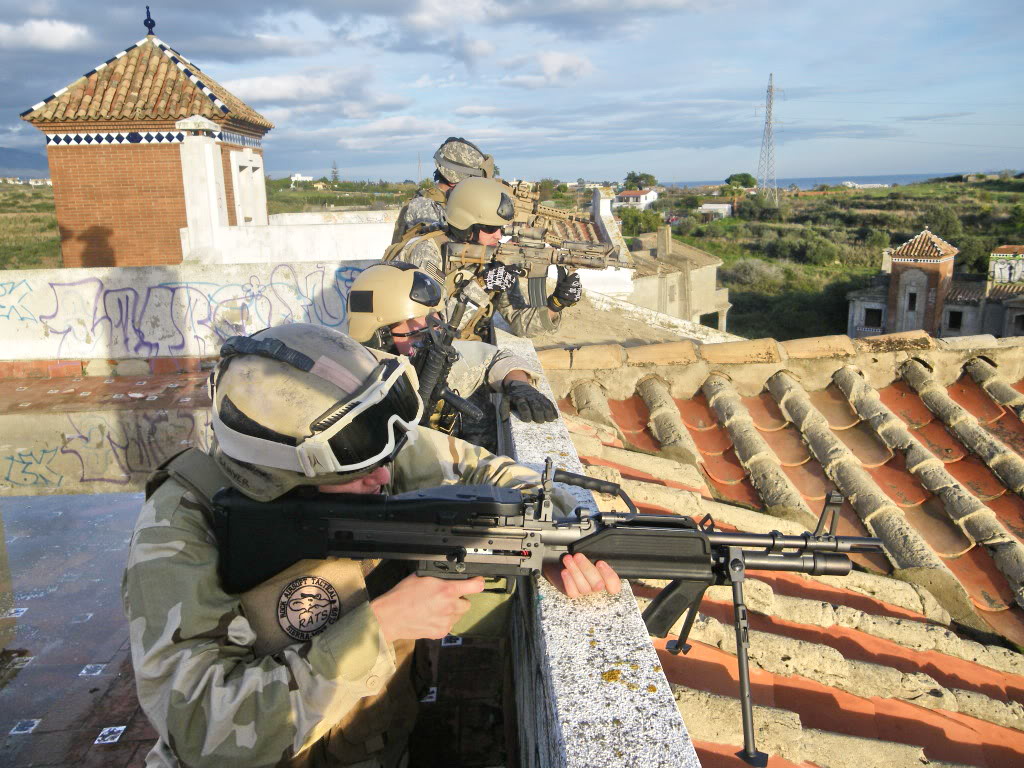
<point x="531" y="212"/>
<point x="435" y="355"/>
<point x="464" y="531"/>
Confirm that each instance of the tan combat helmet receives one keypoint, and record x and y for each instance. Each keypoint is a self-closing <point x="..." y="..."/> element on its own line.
<point x="479" y="202"/>
<point x="301" y="404"/>
<point x="457" y="159"/>
<point x="385" y="294"/>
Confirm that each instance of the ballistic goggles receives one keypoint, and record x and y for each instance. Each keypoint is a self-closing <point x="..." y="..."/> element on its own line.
<point x="361" y="431"/>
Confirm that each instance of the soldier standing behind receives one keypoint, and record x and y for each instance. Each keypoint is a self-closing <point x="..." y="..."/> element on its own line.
<point x="456" y="159"/>
<point x="477" y="211"/>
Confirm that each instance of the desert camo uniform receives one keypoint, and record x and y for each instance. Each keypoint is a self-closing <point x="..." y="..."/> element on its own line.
<point x="480" y="363"/>
<point x="295" y="672"/>
<point x="425" y="253"/>
<point x="426" y="208"/>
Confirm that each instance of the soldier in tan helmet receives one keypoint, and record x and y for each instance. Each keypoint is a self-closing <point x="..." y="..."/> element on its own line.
<point x="261" y="678"/>
<point x="478" y="210"/>
<point x="388" y="308"/>
<point x="456" y="159"/>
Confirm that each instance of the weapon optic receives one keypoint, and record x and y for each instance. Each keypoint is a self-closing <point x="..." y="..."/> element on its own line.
<point x="464" y="531"/>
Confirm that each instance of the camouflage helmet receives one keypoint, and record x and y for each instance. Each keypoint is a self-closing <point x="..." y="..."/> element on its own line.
<point x="302" y="404"/>
<point x="385" y="294"/>
<point x="479" y="201"/>
<point x="457" y="159"/>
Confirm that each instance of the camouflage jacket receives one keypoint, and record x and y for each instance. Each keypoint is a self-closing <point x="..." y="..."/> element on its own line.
<point x="206" y="680"/>
<point x="524" y="320"/>
<point x="427" y="207"/>
<point x="480" y="363"/>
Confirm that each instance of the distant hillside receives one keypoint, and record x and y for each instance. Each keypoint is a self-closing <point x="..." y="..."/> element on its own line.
<point x="18" y="162"/>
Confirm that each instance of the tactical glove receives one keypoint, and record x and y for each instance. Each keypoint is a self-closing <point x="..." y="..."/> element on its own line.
<point x="529" y="404"/>
<point x="498" y="277"/>
<point x="568" y="291"/>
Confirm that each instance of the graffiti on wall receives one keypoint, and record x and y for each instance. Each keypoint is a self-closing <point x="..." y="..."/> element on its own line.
<point x="1006" y="268"/>
<point x="94" y="452"/>
<point x="172" y="317"/>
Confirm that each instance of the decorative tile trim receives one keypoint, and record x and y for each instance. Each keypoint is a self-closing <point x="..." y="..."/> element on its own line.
<point x="928" y="259"/>
<point x="143" y="137"/>
<point x="179" y="61"/>
<point x="119" y="137"/>
<point x="238" y="138"/>
<point x="183" y="64"/>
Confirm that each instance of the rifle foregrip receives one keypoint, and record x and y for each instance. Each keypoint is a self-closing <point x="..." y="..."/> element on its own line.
<point x="584" y="481"/>
<point x="671" y="603"/>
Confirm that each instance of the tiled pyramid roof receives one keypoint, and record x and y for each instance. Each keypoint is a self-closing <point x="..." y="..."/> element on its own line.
<point x="926" y="245"/>
<point x="914" y="653"/>
<point x="147" y="81"/>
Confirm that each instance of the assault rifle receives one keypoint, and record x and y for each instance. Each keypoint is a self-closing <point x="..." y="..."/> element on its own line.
<point x="530" y="257"/>
<point x="531" y="212"/>
<point x="433" y="360"/>
<point x="463" y="531"/>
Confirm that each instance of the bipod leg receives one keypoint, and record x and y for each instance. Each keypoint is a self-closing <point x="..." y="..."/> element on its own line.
<point x="737" y="574"/>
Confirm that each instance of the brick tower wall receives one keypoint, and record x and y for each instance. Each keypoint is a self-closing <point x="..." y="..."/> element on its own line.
<point x="118" y="205"/>
<point x="940" y="276"/>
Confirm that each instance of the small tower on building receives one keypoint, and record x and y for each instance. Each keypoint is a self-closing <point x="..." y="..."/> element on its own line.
<point x="142" y="146"/>
<point x="921" y="274"/>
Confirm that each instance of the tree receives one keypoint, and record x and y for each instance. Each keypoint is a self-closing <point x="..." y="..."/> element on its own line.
<point x="636" y="180"/>
<point x="741" y="180"/>
<point x="636" y="222"/>
<point x="943" y="221"/>
<point x="334" y="172"/>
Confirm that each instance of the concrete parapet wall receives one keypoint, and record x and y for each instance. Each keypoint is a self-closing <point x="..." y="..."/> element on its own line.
<point x="287" y="242"/>
<point x="590" y="688"/>
<point x="187" y="310"/>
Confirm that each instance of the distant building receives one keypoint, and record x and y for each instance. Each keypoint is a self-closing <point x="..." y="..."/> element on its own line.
<point x="40" y="183"/>
<point x="320" y="185"/>
<point x="635" y="198"/>
<point x="917" y="290"/>
<point x="143" y="146"/>
<point x="297" y="177"/>
<point x="855" y="185"/>
<point x="679" y="280"/>
<point x="711" y="211"/>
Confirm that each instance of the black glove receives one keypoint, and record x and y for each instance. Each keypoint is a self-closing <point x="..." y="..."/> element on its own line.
<point x="568" y="291"/>
<point x="529" y="403"/>
<point x="498" y="277"/>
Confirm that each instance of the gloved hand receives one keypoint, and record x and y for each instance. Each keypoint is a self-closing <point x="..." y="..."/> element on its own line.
<point x="529" y="403"/>
<point x="498" y="277"/>
<point x="568" y="291"/>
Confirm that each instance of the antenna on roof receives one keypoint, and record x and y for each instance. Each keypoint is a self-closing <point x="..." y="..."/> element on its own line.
<point x="150" y="24"/>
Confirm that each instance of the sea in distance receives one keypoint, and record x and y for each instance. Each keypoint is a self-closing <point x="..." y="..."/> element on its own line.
<point x="812" y="181"/>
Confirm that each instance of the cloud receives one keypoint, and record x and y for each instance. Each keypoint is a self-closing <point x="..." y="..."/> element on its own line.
<point x="276" y="89"/>
<point x="937" y="116"/>
<point x="44" y="34"/>
<point x="550" y="69"/>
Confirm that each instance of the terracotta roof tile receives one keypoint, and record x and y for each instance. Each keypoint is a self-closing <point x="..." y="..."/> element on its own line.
<point x="1009" y="249"/>
<point x="862" y="413"/>
<point x="147" y="81"/>
<point x="926" y="245"/>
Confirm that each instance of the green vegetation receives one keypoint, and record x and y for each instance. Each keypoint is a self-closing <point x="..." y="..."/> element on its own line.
<point x="636" y="180"/>
<point x="788" y="267"/>
<point x="376" y="195"/>
<point x="741" y="180"/>
<point x="28" y="228"/>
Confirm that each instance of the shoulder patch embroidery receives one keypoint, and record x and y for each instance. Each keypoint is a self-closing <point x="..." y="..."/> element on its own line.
<point x="306" y="606"/>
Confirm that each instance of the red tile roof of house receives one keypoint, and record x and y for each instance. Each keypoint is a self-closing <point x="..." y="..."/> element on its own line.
<point x="1011" y="249"/>
<point x="924" y="439"/>
<point x="926" y="245"/>
<point x="147" y="81"/>
<point x="634" y="192"/>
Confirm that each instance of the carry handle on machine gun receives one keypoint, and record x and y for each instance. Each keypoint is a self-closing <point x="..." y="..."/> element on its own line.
<point x="433" y="361"/>
<point x="464" y="531"/>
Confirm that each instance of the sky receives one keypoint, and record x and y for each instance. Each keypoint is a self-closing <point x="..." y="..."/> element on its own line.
<point x="572" y="88"/>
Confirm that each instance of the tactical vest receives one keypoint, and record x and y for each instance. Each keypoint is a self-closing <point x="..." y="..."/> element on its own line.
<point x="298" y="603"/>
<point x="434" y="193"/>
<point x="394" y="251"/>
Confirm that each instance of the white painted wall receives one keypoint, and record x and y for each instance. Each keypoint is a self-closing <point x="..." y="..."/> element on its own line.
<point x="162" y="311"/>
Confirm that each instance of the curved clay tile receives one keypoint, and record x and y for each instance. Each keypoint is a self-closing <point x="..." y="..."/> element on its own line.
<point x="931" y="521"/>
<point x="1009" y="430"/>
<point x="834" y="406"/>
<point x="810" y="481"/>
<point x="904" y="402"/>
<point x="966" y="393"/>
<point x="936" y="439"/>
<point x="696" y="413"/>
<point x="735" y="493"/>
<point x="712" y="442"/>
<point x="1009" y="508"/>
<point x="977" y="478"/>
<point x="985" y="585"/>
<point x="788" y="446"/>
<point x="631" y="416"/>
<point x="865" y="445"/>
<point x="898" y="484"/>
<point x="724" y="467"/>
<point x="765" y="413"/>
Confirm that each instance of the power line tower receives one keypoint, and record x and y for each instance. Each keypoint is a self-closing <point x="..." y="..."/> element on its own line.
<point x="766" y="184"/>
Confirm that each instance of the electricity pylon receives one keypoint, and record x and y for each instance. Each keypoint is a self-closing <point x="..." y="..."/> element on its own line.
<point x="766" y="184"/>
